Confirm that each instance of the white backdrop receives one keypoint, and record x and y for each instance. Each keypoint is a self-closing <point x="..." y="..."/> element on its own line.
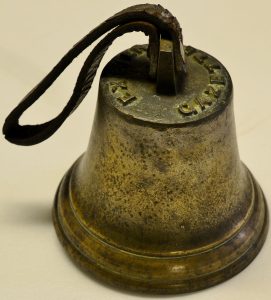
<point x="34" y="34"/>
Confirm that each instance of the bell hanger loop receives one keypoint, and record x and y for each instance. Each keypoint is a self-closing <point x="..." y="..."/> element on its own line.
<point x="153" y="20"/>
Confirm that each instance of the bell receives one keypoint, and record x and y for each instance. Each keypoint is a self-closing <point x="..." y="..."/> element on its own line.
<point x="160" y="201"/>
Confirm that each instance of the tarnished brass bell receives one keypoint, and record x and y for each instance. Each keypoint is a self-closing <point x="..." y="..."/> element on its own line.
<point x="160" y="201"/>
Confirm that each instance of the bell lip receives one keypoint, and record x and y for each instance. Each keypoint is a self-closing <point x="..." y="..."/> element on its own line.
<point x="225" y="102"/>
<point x="182" y="284"/>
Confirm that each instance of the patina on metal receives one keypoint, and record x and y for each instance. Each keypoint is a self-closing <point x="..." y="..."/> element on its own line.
<point x="160" y="201"/>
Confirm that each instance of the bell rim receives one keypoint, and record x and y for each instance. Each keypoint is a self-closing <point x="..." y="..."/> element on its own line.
<point x="161" y="284"/>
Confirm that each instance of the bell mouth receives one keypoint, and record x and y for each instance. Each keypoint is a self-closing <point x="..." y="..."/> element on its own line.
<point x="156" y="274"/>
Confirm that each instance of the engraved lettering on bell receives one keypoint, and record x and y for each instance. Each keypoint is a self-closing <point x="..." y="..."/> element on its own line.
<point x="217" y="79"/>
<point x="211" y="67"/>
<point x="120" y="89"/>
<point x="211" y="93"/>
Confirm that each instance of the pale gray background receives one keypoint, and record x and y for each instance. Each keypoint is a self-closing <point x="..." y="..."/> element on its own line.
<point x="33" y="37"/>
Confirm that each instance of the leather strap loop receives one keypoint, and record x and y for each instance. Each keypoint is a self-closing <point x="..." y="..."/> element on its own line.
<point x="153" y="20"/>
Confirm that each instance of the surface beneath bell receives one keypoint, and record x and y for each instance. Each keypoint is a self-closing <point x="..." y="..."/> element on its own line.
<point x="160" y="202"/>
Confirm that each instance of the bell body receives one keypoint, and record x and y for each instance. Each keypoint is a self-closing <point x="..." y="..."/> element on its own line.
<point x="160" y="201"/>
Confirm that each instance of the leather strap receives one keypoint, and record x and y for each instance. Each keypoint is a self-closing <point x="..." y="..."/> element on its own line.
<point x="153" y="20"/>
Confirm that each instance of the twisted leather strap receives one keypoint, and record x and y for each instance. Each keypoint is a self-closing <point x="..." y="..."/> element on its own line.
<point x="153" y="20"/>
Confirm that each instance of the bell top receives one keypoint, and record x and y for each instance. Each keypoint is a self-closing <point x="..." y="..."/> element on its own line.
<point x="204" y="91"/>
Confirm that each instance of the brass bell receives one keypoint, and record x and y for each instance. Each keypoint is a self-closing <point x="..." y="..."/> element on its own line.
<point x="160" y="201"/>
